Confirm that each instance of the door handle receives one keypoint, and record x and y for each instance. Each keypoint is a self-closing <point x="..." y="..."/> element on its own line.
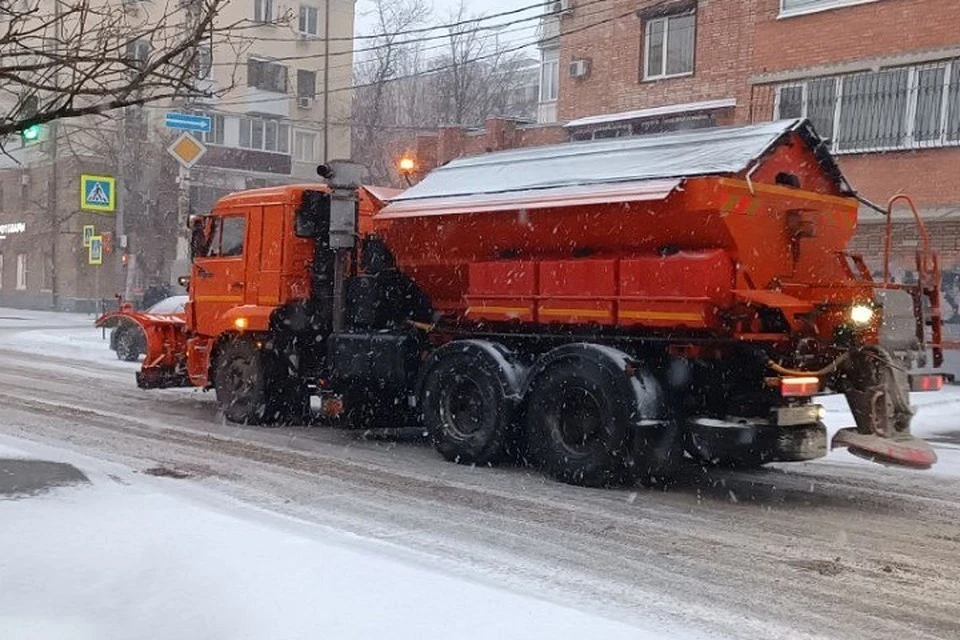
<point x="203" y="273"/>
<point x="236" y="285"/>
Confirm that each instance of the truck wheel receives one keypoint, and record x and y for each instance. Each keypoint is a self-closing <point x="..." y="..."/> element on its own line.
<point x="579" y="420"/>
<point x="468" y="399"/>
<point x="128" y="345"/>
<point x="242" y="383"/>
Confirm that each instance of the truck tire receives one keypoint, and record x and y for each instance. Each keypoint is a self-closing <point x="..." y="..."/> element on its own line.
<point x="590" y="423"/>
<point x="578" y="417"/>
<point x="250" y="386"/>
<point x="468" y="399"/>
<point x="129" y="344"/>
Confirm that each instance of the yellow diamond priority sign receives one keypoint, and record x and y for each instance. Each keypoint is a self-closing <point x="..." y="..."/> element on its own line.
<point x="187" y="150"/>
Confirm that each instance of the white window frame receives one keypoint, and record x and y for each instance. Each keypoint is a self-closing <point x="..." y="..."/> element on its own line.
<point x="647" y="28"/>
<point x="303" y="20"/>
<point x="46" y="275"/>
<point x="299" y="134"/>
<point x="908" y="141"/>
<point x="818" y="6"/>
<point x="21" y="272"/>
<point x="549" y="69"/>
<point x="247" y="121"/>
<point x="263" y="11"/>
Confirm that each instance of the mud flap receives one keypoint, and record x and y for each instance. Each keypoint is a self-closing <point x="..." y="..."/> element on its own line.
<point x="877" y="390"/>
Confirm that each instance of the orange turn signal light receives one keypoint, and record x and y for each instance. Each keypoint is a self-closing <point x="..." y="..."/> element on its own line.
<point x="799" y="387"/>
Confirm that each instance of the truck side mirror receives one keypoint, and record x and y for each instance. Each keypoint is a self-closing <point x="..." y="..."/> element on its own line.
<point x="198" y="237"/>
<point x="313" y="216"/>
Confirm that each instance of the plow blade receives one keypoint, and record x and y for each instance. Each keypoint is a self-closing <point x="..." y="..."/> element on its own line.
<point x="902" y="451"/>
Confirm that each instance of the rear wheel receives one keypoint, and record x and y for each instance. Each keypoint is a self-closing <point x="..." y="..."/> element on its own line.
<point x="465" y="405"/>
<point x="578" y="426"/>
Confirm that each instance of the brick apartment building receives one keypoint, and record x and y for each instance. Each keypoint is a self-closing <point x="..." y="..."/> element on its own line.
<point x="879" y="78"/>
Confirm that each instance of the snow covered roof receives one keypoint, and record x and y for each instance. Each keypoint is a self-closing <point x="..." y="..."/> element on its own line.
<point x="542" y="176"/>
<point x="653" y="112"/>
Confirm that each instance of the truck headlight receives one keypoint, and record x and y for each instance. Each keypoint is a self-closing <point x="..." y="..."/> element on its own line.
<point x="861" y="314"/>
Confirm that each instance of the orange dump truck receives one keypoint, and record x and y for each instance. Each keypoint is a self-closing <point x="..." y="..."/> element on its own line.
<point x="599" y="308"/>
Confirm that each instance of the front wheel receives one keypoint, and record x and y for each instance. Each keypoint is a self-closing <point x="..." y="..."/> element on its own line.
<point x="252" y="387"/>
<point x="128" y="345"/>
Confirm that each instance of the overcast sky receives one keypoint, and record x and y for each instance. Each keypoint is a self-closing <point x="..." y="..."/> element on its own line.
<point x="443" y="8"/>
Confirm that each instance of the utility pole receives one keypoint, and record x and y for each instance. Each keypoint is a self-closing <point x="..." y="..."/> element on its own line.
<point x="182" y="261"/>
<point x="53" y="183"/>
<point x="123" y="143"/>
<point x="326" y="81"/>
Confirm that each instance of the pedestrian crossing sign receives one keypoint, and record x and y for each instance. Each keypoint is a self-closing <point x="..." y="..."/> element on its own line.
<point x="98" y="193"/>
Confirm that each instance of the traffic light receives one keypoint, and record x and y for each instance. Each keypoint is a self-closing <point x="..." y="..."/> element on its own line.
<point x="29" y="107"/>
<point x="31" y="133"/>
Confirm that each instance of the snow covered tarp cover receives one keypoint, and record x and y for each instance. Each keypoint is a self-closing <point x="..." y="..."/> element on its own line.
<point x="652" y="166"/>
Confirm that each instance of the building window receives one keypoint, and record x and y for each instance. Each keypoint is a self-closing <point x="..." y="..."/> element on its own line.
<point x="304" y="146"/>
<point x="669" y="44"/>
<point x="21" y="271"/>
<point x="203" y="63"/>
<point x="215" y="135"/>
<point x="801" y="7"/>
<point x="308" y="20"/>
<point x="549" y="75"/>
<point x="265" y="75"/>
<point x="263" y="11"/>
<point x="306" y="83"/>
<point x="138" y="52"/>
<point x="264" y="135"/>
<point x="46" y="275"/>
<point x="898" y="108"/>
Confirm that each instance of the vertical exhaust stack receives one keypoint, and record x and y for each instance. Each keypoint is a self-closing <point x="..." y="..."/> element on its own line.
<point x="345" y="178"/>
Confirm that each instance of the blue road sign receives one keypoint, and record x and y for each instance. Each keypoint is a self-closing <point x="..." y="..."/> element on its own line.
<point x="187" y="122"/>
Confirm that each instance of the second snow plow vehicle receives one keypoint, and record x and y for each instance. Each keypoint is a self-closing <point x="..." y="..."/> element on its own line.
<point x="600" y="307"/>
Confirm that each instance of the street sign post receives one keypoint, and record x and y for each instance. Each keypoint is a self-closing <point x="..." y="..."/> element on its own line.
<point x="98" y="193"/>
<point x="88" y="231"/>
<point x="187" y="122"/>
<point x="95" y="255"/>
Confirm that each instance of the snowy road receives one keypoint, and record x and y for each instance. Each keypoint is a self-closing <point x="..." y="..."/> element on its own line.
<point x="832" y="549"/>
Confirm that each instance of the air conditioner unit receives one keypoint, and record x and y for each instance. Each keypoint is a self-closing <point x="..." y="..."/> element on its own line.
<point x="580" y="68"/>
<point x="561" y="7"/>
<point x="304" y="103"/>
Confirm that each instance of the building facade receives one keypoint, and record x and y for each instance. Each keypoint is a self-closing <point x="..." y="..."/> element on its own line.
<point x="880" y="79"/>
<point x="283" y="86"/>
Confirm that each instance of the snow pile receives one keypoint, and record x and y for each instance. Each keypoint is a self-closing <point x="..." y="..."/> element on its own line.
<point x="134" y="558"/>
<point x="66" y="335"/>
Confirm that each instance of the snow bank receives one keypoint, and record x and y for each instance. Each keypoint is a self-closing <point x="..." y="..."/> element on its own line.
<point x="133" y="558"/>
<point x="67" y="335"/>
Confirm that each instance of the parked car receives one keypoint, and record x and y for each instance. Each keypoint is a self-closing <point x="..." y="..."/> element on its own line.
<point x="127" y="338"/>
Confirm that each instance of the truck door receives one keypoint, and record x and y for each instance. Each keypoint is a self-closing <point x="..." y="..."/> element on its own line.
<point x="219" y="275"/>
